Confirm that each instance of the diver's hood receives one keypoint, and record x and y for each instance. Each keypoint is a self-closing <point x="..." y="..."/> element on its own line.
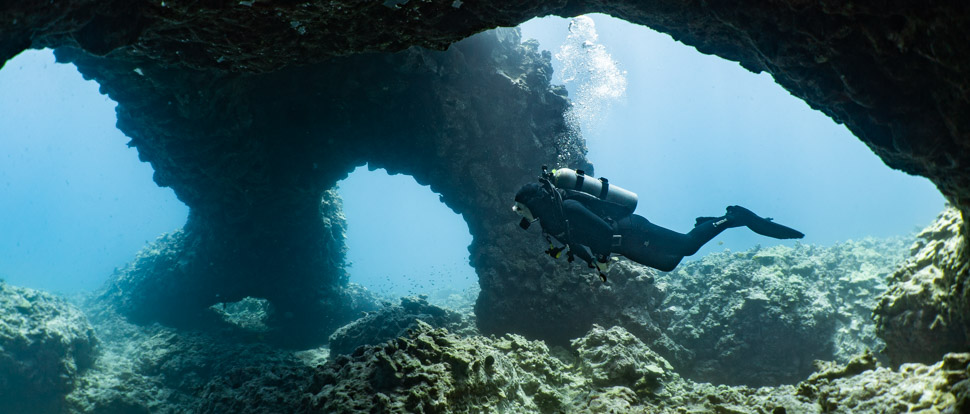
<point x="525" y="198"/>
<point x="528" y="193"/>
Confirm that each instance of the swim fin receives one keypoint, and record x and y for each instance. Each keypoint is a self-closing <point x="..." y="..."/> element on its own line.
<point x="761" y="225"/>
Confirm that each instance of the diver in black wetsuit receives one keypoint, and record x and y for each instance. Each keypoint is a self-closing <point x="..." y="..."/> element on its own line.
<point x="593" y="227"/>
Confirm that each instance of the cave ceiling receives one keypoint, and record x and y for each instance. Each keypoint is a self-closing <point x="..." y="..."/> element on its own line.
<point x="893" y="72"/>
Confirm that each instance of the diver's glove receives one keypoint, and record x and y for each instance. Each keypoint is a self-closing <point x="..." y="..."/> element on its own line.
<point x="556" y="252"/>
<point x="602" y="267"/>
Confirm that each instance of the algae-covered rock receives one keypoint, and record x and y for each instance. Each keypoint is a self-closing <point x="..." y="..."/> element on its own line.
<point x="45" y="343"/>
<point x="926" y="311"/>
<point x="157" y="369"/>
<point x="394" y="321"/>
<point x="431" y="370"/>
<point x="249" y="314"/>
<point x="614" y="357"/>
<point x="762" y="316"/>
<point x="912" y="388"/>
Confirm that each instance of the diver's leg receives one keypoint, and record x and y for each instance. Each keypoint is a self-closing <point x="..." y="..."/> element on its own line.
<point x="649" y="256"/>
<point x="669" y="242"/>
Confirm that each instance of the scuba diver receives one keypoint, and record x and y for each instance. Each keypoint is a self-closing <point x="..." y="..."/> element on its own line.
<point x="593" y="219"/>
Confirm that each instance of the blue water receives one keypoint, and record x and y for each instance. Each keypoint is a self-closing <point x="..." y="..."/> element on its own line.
<point x="695" y="133"/>
<point x="691" y="134"/>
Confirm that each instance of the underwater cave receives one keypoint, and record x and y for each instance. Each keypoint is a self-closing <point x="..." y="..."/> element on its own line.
<point x="253" y="132"/>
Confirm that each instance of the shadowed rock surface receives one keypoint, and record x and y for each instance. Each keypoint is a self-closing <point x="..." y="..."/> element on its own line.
<point x="159" y="369"/>
<point x="894" y="73"/>
<point x="393" y="321"/>
<point x="253" y="154"/>
<point x="926" y="311"/>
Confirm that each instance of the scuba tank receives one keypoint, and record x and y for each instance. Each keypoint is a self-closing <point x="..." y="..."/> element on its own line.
<point x="600" y="188"/>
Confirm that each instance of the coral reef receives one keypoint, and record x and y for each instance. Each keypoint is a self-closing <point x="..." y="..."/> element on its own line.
<point x="156" y="369"/>
<point x="861" y="387"/>
<point x="393" y="321"/>
<point x="45" y="345"/>
<point x="391" y="360"/>
<point x="762" y="316"/>
<point x="926" y="311"/>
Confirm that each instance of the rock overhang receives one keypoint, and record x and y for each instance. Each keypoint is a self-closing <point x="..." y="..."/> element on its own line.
<point x="894" y="74"/>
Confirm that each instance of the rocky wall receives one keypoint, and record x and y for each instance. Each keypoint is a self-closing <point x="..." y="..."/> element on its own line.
<point x="253" y="154"/>
<point x="926" y="311"/>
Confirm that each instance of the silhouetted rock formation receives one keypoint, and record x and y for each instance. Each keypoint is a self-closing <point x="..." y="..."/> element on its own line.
<point x="894" y="73"/>
<point x="253" y="154"/>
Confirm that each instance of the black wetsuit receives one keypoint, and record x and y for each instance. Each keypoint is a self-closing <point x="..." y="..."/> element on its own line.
<point x="638" y="239"/>
<point x="597" y="228"/>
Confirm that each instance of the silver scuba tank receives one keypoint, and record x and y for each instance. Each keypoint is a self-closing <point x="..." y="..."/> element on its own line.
<point x="598" y="187"/>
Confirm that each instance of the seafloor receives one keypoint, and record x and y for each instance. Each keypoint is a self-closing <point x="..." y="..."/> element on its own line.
<point x="745" y="332"/>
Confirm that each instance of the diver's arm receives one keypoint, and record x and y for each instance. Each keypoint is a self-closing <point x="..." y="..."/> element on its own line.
<point x="587" y="228"/>
<point x="581" y="252"/>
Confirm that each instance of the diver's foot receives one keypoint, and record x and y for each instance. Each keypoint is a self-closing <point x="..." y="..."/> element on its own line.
<point x="761" y="225"/>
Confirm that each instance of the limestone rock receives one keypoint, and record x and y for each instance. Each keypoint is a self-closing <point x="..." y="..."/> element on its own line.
<point x="762" y="316"/>
<point x="433" y="371"/>
<point x="926" y="311"/>
<point x="394" y="321"/>
<point x="616" y="358"/>
<point x="911" y="388"/>
<point x="45" y="345"/>
<point x="155" y="369"/>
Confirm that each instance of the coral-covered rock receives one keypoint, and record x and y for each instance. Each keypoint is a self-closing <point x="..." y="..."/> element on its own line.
<point x="614" y="357"/>
<point x="395" y="321"/>
<point x="762" y="316"/>
<point x="45" y="344"/>
<point x="431" y="370"/>
<point x="926" y="311"/>
<point x="911" y="388"/>
<point x="158" y="369"/>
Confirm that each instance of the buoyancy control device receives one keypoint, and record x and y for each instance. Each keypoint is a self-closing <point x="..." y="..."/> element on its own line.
<point x="600" y="188"/>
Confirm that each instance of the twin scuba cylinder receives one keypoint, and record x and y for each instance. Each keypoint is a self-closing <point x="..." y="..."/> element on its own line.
<point x="600" y="188"/>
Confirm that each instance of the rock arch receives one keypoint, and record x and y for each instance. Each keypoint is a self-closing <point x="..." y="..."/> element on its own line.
<point x="253" y="155"/>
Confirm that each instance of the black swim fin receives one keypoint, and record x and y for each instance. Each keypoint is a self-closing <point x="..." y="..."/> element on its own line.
<point x="761" y="225"/>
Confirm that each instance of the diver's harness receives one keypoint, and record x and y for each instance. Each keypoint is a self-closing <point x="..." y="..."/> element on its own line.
<point x="546" y="179"/>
